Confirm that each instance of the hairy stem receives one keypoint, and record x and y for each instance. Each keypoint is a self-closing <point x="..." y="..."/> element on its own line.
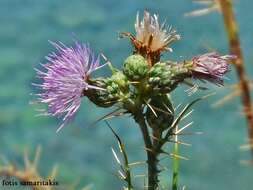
<point x="232" y="32"/>
<point x="152" y="160"/>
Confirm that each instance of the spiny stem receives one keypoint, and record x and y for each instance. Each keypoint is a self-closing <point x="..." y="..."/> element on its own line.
<point x="232" y="32"/>
<point x="152" y="160"/>
<point x="175" y="165"/>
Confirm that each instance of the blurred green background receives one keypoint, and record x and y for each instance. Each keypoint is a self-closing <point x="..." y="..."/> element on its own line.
<point x="84" y="153"/>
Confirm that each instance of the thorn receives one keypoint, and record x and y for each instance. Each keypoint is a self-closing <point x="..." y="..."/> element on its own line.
<point x="151" y="108"/>
<point x="190" y="133"/>
<point x="109" y="63"/>
<point x="137" y="163"/>
<point x="121" y="175"/>
<point x="175" y="155"/>
<point x="140" y="175"/>
<point x="186" y="115"/>
<point x="155" y="138"/>
<point x="190" y="91"/>
<point x="115" y="115"/>
<point x="148" y="149"/>
<point x="188" y="83"/>
<point x="134" y="82"/>
<point x="183" y="128"/>
<point x="179" y="142"/>
<point x="115" y="156"/>
<point x="169" y="112"/>
<point x="178" y="106"/>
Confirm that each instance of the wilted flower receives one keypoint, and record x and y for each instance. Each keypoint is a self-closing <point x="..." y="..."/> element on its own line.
<point x="65" y="79"/>
<point x="211" y="67"/>
<point x="151" y="37"/>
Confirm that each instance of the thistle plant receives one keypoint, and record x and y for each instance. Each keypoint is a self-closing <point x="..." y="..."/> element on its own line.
<point x="141" y="89"/>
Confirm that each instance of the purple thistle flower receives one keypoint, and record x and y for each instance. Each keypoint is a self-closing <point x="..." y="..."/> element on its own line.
<point x="65" y="79"/>
<point x="211" y="67"/>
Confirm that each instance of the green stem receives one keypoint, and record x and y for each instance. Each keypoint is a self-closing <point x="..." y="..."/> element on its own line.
<point x="152" y="160"/>
<point x="175" y="166"/>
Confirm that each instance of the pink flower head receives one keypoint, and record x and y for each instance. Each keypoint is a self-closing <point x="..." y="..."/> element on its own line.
<point x="211" y="67"/>
<point x="65" y="79"/>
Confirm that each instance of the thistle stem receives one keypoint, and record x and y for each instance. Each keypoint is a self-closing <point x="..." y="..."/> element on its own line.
<point x="152" y="160"/>
<point x="175" y="165"/>
<point x="232" y="32"/>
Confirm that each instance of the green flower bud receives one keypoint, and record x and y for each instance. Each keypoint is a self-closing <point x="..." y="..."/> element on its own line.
<point x="112" y="90"/>
<point x="165" y="76"/>
<point x="101" y="97"/>
<point x="135" y="67"/>
<point x="120" y="80"/>
<point x="164" y="113"/>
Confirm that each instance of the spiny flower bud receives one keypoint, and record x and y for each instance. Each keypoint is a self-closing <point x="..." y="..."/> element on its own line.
<point x="135" y="67"/>
<point x="114" y="88"/>
<point x="165" y="76"/>
<point x="160" y="114"/>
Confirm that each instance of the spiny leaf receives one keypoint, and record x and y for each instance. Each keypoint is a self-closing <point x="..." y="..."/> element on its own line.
<point x="183" y="112"/>
<point x="125" y="167"/>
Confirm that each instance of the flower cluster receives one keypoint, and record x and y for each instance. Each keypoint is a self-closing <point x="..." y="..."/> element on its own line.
<point x="144" y="81"/>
